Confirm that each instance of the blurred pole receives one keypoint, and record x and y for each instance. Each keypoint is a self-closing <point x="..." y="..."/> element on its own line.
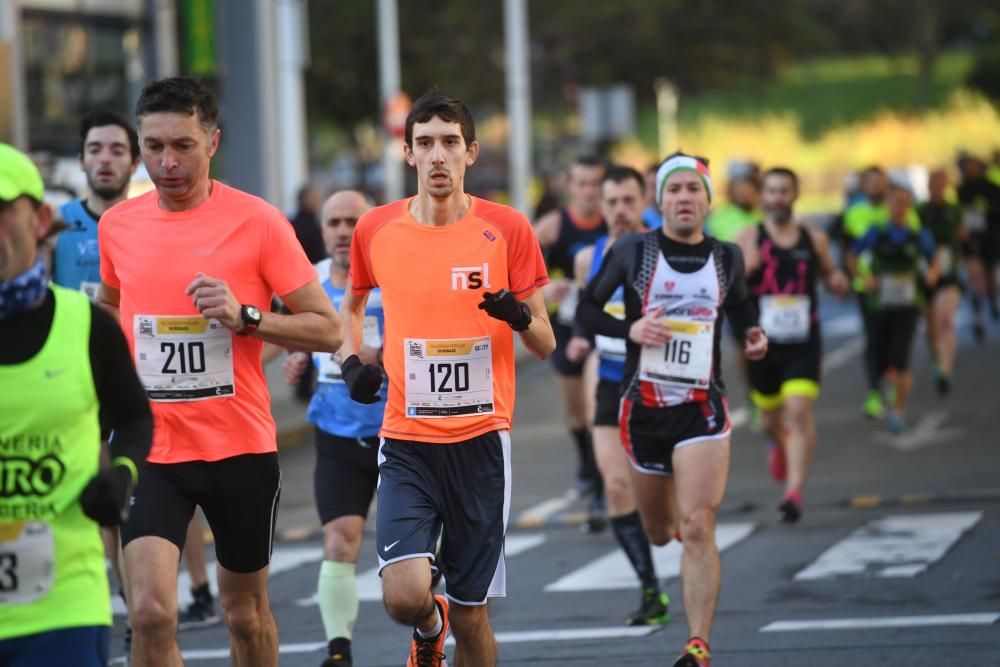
<point x="165" y="38"/>
<point x="14" y="110"/>
<point x="518" y="103"/>
<point x="389" y="86"/>
<point x="666" y="116"/>
<point x="293" y="48"/>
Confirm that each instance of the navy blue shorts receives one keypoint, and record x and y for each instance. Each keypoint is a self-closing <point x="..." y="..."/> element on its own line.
<point x="464" y="487"/>
<point x="85" y="646"/>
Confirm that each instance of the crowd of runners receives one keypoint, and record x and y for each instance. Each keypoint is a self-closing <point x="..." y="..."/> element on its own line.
<point x="134" y="402"/>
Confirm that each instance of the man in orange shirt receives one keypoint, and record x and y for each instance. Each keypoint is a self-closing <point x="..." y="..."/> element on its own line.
<point x="184" y="268"/>
<point x="457" y="275"/>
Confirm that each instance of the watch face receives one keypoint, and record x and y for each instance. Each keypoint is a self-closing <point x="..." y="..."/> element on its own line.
<point x="253" y="313"/>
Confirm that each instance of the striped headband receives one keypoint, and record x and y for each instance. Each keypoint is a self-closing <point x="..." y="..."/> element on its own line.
<point x="682" y="163"/>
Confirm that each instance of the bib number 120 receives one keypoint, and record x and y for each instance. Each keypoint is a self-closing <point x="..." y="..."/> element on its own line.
<point x="190" y="357"/>
<point x="442" y="373"/>
<point x="678" y="352"/>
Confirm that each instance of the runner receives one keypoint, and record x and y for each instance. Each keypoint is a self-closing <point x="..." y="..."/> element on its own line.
<point x="185" y="267"/>
<point x="674" y="416"/>
<point x="346" y="436"/>
<point x="784" y="261"/>
<point x="109" y="156"/>
<point x="894" y="295"/>
<point x="449" y="357"/>
<point x="562" y="234"/>
<point x="622" y="199"/>
<point x="980" y="202"/>
<point x="943" y="219"/>
<point x="54" y="597"/>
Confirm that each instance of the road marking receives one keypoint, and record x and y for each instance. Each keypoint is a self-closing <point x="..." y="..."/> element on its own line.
<point x="839" y="356"/>
<point x="612" y="571"/>
<point x="370" y="584"/>
<point x="926" y="432"/>
<point x="882" y="622"/>
<point x="896" y="546"/>
<point x="538" y="514"/>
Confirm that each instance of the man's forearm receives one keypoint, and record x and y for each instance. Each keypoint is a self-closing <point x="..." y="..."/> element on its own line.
<point x="539" y="338"/>
<point x="306" y="332"/>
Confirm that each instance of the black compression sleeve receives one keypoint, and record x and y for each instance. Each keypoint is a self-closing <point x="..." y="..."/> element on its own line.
<point x="124" y="407"/>
<point x="590" y="315"/>
<point x="739" y="307"/>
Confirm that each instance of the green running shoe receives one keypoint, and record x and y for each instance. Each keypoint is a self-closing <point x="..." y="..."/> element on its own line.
<point x="873" y="407"/>
<point x="653" y="610"/>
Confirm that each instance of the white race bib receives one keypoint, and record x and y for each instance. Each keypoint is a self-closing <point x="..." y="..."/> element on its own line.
<point x="897" y="289"/>
<point x="329" y="369"/>
<point x="448" y="378"/>
<point x="785" y="318"/>
<point x="974" y="220"/>
<point x="685" y="361"/>
<point x="184" y="358"/>
<point x="946" y="260"/>
<point x="27" y="561"/>
<point x="91" y="289"/>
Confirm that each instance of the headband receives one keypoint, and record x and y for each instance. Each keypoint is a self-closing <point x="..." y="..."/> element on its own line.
<point x="682" y="163"/>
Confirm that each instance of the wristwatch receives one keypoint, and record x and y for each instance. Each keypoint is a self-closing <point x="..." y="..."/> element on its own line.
<point x="251" y="317"/>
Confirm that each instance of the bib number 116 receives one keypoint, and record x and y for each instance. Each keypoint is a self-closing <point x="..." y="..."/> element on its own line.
<point x="448" y="377"/>
<point x="677" y="351"/>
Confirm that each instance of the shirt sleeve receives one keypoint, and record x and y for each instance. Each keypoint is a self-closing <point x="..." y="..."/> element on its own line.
<point x="866" y="242"/>
<point x="104" y="244"/>
<point x="361" y="276"/>
<point x="525" y="263"/>
<point x="590" y="315"/>
<point x="283" y="263"/>
<point x="927" y="245"/>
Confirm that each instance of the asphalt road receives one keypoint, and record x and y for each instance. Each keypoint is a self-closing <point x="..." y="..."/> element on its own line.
<point x="896" y="562"/>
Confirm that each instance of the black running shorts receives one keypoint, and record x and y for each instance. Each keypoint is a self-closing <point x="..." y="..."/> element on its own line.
<point x="238" y="495"/>
<point x="464" y="487"/>
<point x="345" y="475"/>
<point x="650" y="435"/>
<point x="564" y="366"/>
<point x="609" y="396"/>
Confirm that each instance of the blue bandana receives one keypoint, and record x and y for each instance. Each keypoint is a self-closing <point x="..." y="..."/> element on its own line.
<point x="22" y="292"/>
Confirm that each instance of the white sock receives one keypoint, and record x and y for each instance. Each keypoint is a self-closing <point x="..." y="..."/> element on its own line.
<point x="436" y="630"/>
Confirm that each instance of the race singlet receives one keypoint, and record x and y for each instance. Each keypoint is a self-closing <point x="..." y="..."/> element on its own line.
<point x="686" y="360"/>
<point x="27" y="561"/>
<point x="448" y="378"/>
<point x="897" y="289"/>
<point x="184" y="358"/>
<point x="329" y="369"/>
<point x="785" y="317"/>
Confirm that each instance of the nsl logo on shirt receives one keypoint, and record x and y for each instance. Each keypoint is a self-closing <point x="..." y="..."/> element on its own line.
<point x="470" y="277"/>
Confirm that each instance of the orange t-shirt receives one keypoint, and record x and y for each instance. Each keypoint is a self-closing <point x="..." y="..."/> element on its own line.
<point x="450" y="365"/>
<point x="208" y="392"/>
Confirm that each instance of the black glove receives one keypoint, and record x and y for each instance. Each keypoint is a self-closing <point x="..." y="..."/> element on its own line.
<point x="363" y="380"/>
<point x="105" y="498"/>
<point x="503" y="306"/>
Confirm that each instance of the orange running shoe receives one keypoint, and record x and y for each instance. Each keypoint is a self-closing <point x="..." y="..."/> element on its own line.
<point x="695" y="654"/>
<point x="430" y="652"/>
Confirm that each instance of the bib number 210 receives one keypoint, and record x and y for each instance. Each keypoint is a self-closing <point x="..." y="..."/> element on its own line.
<point x="443" y="373"/>
<point x="189" y="357"/>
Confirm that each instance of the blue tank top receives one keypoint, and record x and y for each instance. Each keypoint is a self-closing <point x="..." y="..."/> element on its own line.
<point x="610" y="351"/>
<point x="77" y="260"/>
<point x="331" y="407"/>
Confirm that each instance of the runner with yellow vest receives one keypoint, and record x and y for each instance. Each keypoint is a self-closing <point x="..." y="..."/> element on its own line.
<point x="65" y="371"/>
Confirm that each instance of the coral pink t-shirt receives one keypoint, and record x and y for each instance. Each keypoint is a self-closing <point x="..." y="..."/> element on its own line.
<point x="206" y="385"/>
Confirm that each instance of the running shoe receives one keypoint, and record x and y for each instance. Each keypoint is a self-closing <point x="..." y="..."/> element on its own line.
<point x="597" y="517"/>
<point x="199" y="614"/>
<point x="873" y="406"/>
<point x="430" y="652"/>
<point x="695" y="655"/>
<point x="339" y="653"/>
<point x="790" y="510"/>
<point x="776" y="462"/>
<point x="654" y="609"/>
<point x="943" y="384"/>
<point x="896" y="423"/>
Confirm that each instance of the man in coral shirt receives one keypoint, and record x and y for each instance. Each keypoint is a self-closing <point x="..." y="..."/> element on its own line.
<point x="185" y="268"/>
<point x="458" y="275"/>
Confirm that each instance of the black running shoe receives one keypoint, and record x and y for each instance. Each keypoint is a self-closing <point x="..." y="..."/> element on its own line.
<point x="943" y="386"/>
<point x="789" y="511"/>
<point x="597" y="517"/>
<point x="199" y="614"/>
<point x="654" y="609"/>
<point x="339" y="650"/>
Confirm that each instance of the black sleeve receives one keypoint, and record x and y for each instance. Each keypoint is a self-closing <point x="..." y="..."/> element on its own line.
<point x="124" y="406"/>
<point x="590" y="315"/>
<point x="739" y="307"/>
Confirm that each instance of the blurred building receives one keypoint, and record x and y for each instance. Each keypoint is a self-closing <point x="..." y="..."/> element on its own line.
<point x="60" y="59"/>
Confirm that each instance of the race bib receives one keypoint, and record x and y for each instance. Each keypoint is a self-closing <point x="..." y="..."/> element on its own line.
<point x="91" y="289"/>
<point x="27" y="561"/>
<point x="785" y="318"/>
<point x="184" y="358"/>
<point x="685" y="361"/>
<point x="607" y="346"/>
<point x="329" y="369"/>
<point x="448" y="378"/>
<point x="974" y="220"/>
<point x="946" y="260"/>
<point x="897" y="289"/>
